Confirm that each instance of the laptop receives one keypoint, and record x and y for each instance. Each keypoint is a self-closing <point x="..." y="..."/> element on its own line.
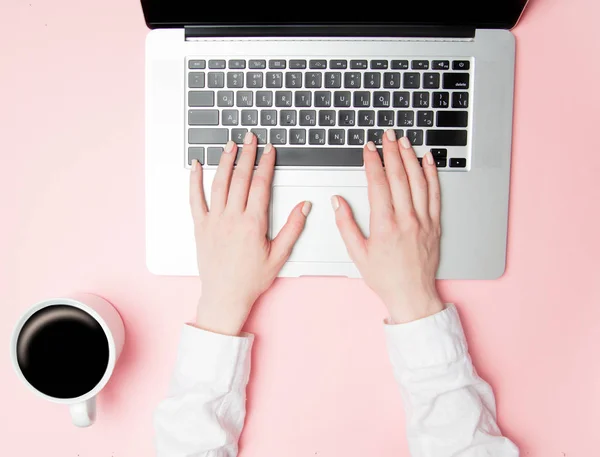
<point x="319" y="81"/>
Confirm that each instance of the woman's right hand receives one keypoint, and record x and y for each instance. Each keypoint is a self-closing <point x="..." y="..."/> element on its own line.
<point x="400" y="258"/>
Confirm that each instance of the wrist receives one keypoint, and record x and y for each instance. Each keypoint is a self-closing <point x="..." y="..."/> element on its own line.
<point x="408" y="308"/>
<point x="222" y="315"/>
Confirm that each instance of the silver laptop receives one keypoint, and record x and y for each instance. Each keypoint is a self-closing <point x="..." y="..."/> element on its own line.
<point x="319" y="82"/>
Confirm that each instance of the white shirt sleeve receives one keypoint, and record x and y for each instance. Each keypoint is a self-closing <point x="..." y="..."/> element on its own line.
<point x="204" y="412"/>
<point x="450" y="411"/>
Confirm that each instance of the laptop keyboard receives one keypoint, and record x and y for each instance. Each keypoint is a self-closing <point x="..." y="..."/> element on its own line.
<point x="321" y="112"/>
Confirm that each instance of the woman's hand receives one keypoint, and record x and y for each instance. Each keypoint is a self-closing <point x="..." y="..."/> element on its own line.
<point x="400" y="258"/>
<point x="236" y="260"/>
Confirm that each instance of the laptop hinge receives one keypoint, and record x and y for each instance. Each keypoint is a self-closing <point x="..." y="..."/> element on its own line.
<point x="337" y="30"/>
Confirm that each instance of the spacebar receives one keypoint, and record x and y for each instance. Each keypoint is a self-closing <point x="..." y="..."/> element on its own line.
<point x="319" y="157"/>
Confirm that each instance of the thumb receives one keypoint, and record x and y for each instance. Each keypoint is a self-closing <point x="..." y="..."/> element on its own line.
<point x="355" y="241"/>
<point x="282" y="245"/>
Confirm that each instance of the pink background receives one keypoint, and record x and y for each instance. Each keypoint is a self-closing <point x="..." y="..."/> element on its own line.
<point x="72" y="218"/>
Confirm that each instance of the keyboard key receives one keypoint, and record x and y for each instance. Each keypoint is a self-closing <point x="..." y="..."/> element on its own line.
<point x="415" y="137"/>
<point x="287" y="118"/>
<point x="372" y="80"/>
<point x="452" y="119"/>
<point x="326" y="118"/>
<point x="440" y="100"/>
<point x="359" y="64"/>
<point x="412" y="81"/>
<point x="316" y="136"/>
<point x="254" y="80"/>
<point x="208" y="136"/>
<point x="297" y="136"/>
<point x="337" y="137"/>
<point x="381" y="99"/>
<point x="362" y="99"/>
<point x="268" y="117"/>
<point x="196" y="153"/>
<point x="216" y="64"/>
<point x="322" y="99"/>
<point x="356" y="137"/>
<point x="424" y="118"/>
<point x="319" y="157"/>
<point x="196" y="80"/>
<point x="313" y="80"/>
<point x="264" y="98"/>
<point x="420" y="64"/>
<point x="235" y="79"/>
<point x="278" y="136"/>
<point x="230" y="117"/>
<point x="297" y="64"/>
<point x="439" y="153"/>
<point x="261" y="135"/>
<point x="346" y="118"/>
<point x="333" y="80"/>
<point x="203" y="117"/>
<point x="338" y="64"/>
<point x="399" y="133"/>
<point x="460" y="100"/>
<point x="440" y="65"/>
<point x="420" y="100"/>
<point x="274" y="79"/>
<point x="352" y="80"/>
<point x="456" y="80"/>
<point x="303" y="98"/>
<point x="318" y="64"/>
<point x="213" y="155"/>
<point x="446" y="137"/>
<point x="257" y="64"/>
<point x="341" y="99"/>
<point x="201" y="98"/>
<point x="244" y="98"/>
<point x="283" y="98"/>
<point x="401" y="99"/>
<point x="385" y="118"/>
<point x="216" y="79"/>
<point x="458" y="163"/>
<point x="431" y="80"/>
<point x="237" y="135"/>
<point x="249" y="117"/>
<point x="461" y="64"/>
<point x="399" y="64"/>
<point x="237" y="64"/>
<point x="391" y="80"/>
<point x="278" y="64"/>
<point x="440" y="163"/>
<point x="375" y="135"/>
<point x="225" y="98"/>
<point x="308" y="117"/>
<point x="405" y="119"/>
<point x="366" y="118"/>
<point x="197" y="64"/>
<point x="379" y="64"/>
<point x="293" y="79"/>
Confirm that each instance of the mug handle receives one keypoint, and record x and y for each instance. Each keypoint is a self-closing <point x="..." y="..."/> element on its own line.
<point x="83" y="414"/>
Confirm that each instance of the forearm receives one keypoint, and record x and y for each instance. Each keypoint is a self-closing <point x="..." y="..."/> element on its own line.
<point x="450" y="411"/>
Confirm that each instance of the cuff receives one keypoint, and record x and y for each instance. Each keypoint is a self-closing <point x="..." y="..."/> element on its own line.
<point x="434" y="340"/>
<point x="210" y="358"/>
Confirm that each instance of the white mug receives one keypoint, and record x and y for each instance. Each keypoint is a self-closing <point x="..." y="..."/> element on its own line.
<point x="83" y="407"/>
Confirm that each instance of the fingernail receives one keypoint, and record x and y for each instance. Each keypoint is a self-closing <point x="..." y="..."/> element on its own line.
<point x="195" y="165"/>
<point x="429" y="157"/>
<point x="371" y="146"/>
<point x="229" y="146"/>
<point x="405" y="142"/>
<point x="248" y="138"/>
<point x="267" y="149"/>
<point x="391" y="135"/>
<point x="335" y="202"/>
<point x="306" y="208"/>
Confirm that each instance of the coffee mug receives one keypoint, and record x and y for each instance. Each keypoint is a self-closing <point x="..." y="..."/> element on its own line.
<point x="65" y="350"/>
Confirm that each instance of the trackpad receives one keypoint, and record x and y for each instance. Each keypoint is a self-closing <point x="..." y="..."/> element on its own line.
<point x="321" y="240"/>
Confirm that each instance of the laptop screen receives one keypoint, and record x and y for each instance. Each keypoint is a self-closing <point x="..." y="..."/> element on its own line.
<point x="442" y="13"/>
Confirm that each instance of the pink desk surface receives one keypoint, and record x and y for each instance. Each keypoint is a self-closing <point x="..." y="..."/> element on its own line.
<point x="72" y="218"/>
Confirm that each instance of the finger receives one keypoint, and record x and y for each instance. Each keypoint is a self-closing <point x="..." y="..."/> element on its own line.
<point x="396" y="174"/>
<point x="416" y="179"/>
<point x="433" y="184"/>
<point x="242" y="175"/>
<point x="281" y="246"/>
<point x="355" y="241"/>
<point x="197" y="199"/>
<point x="380" y="198"/>
<point x="222" y="179"/>
<point x="260" y="189"/>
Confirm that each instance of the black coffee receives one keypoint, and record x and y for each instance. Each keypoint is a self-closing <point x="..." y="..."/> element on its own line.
<point x="62" y="351"/>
